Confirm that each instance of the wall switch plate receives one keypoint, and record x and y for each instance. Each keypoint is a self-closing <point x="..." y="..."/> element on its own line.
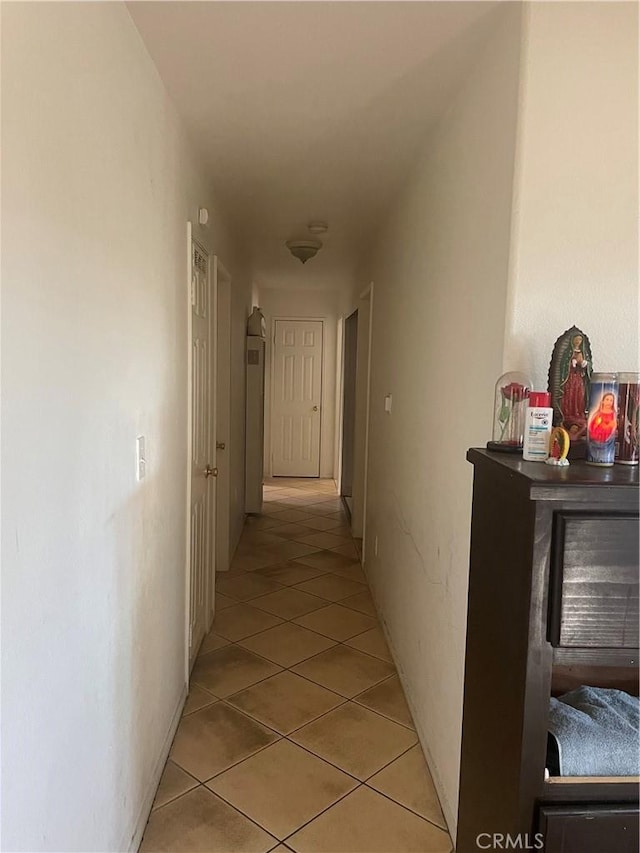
<point x="141" y="458"/>
<point x="388" y="400"/>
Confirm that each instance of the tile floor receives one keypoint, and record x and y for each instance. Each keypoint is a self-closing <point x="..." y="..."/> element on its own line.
<point x="296" y="735"/>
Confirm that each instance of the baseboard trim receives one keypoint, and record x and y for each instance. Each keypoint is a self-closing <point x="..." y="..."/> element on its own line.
<point x="132" y="841"/>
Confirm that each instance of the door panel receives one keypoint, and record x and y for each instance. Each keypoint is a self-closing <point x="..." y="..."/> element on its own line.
<point x="297" y="398"/>
<point x="201" y="577"/>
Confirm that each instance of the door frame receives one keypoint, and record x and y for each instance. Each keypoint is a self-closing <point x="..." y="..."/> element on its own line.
<point x="365" y="388"/>
<point x="272" y="370"/>
<point x="213" y="301"/>
<point x="367" y="294"/>
<point x="222" y="555"/>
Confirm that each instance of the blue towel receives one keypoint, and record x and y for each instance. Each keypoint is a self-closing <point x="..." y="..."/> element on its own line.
<point x="597" y="732"/>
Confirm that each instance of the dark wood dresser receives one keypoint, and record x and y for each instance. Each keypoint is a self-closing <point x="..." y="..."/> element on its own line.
<point x="553" y="604"/>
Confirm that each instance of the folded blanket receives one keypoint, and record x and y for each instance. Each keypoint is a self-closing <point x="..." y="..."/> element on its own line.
<point x="597" y="732"/>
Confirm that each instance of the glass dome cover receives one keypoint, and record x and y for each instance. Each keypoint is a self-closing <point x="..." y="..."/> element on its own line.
<point x="511" y="397"/>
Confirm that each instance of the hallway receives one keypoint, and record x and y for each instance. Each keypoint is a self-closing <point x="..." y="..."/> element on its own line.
<point x="296" y="729"/>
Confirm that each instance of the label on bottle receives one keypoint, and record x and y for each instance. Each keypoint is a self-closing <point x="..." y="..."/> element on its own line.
<point x="538" y="426"/>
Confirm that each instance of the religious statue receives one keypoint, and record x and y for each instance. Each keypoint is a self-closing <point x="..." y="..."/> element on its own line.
<point x="569" y="380"/>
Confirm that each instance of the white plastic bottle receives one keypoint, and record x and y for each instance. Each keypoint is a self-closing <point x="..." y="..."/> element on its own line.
<point x="538" y="423"/>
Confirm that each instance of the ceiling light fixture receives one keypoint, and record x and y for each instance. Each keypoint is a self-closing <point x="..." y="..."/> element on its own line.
<point x="318" y="227"/>
<point x="303" y="249"/>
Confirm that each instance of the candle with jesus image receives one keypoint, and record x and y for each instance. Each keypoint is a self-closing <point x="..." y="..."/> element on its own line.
<point x="602" y="419"/>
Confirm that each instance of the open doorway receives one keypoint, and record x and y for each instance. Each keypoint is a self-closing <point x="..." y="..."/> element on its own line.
<point x="349" y="384"/>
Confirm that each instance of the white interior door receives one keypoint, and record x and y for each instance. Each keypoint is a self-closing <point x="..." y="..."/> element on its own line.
<point x="203" y="471"/>
<point x="297" y="398"/>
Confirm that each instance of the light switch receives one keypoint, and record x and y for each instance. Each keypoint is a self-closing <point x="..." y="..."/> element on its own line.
<point x="141" y="458"/>
<point x="387" y="403"/>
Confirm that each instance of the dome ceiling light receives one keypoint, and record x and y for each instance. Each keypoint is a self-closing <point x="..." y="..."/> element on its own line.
<point x="303" y="249"/>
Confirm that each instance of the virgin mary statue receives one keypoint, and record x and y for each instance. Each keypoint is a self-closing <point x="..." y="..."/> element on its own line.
<point x="569" y="380"/>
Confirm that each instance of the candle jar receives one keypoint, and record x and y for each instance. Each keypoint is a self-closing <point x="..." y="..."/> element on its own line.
<point x="602" y="419"/>
<point x="509" y="409"/>
<point x="628" y="419"/>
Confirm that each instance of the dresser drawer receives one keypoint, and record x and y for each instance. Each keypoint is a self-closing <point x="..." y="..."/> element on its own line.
<point x="593" y="595"/>
<point x="589" y="829"/>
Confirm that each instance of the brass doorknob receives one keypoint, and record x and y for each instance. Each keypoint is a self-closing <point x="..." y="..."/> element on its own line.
<point x="220" y="445"/>
<point x="210" y="472"/>
<point x="315" y="408"/>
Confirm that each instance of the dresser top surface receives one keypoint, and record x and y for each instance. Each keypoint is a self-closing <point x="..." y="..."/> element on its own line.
<point x="546" y="479"/>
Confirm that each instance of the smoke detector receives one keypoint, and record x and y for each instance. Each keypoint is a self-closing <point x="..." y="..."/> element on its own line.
<point x="303" y="249"/>
<point x="318" y="227"/>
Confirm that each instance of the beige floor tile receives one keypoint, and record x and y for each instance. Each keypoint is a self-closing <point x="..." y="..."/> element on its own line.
<point x="273" y="509"/>
<point x="288" y="603"/>
<point x="408" y="781"/>
<point x="366" y="822"/>
<point x="290" y="573"/>
<point x="261" y="522"/>
<point x="347" y="550"/>
<point x="355" y="739"/>
<point x="320" y="522"/>
<point x="174" y="783"/>
<point x="287" y="644"/>
<point x="344" y="670"/>
<point x="291" y="531"/>
<point x="197" y="698"/>
<point x="200" y="822"/>
<point x="373" y="643"/>
<point x="289" y="515"/>
<point x="211" y="740"/>
<point x="342" y="517"/>
<point x="282" y="787"/>
<point x="326" y="560"/>
<point x="212" y="642"/>
<point x="331" y="586"/>
<point x="327" y="510"/>
<point x="258" y="538"/>
<point x="286" y="702"/>
<point x="236" y="623"/>
<point x="324" y="540"/>
<point x="223" y="601"/>
<point x="343" y="530"/>
<point x="352" y="570"/>
<point x="246" y="587"/>
<point x="231" y="669"/>
<point x="388" y="699"/>
<point x="337" y="622"/>
<point x="250" y="562"/>
<point x="363" y="602"/>
<point x="291" y="550"/>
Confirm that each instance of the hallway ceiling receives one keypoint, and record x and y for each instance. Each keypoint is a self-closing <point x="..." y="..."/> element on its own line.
<point x="310" y="110"/>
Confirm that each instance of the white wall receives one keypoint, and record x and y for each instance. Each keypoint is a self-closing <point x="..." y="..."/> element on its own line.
<point x="320" y="305"/>
<point x="98" y="183"/>
<point x="440" y="274"/>
<point x="575" y="246"/>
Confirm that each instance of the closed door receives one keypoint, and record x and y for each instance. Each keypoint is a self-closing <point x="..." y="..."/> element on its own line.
<point x="297" y="398"/>
<point x="203" y="471"/>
